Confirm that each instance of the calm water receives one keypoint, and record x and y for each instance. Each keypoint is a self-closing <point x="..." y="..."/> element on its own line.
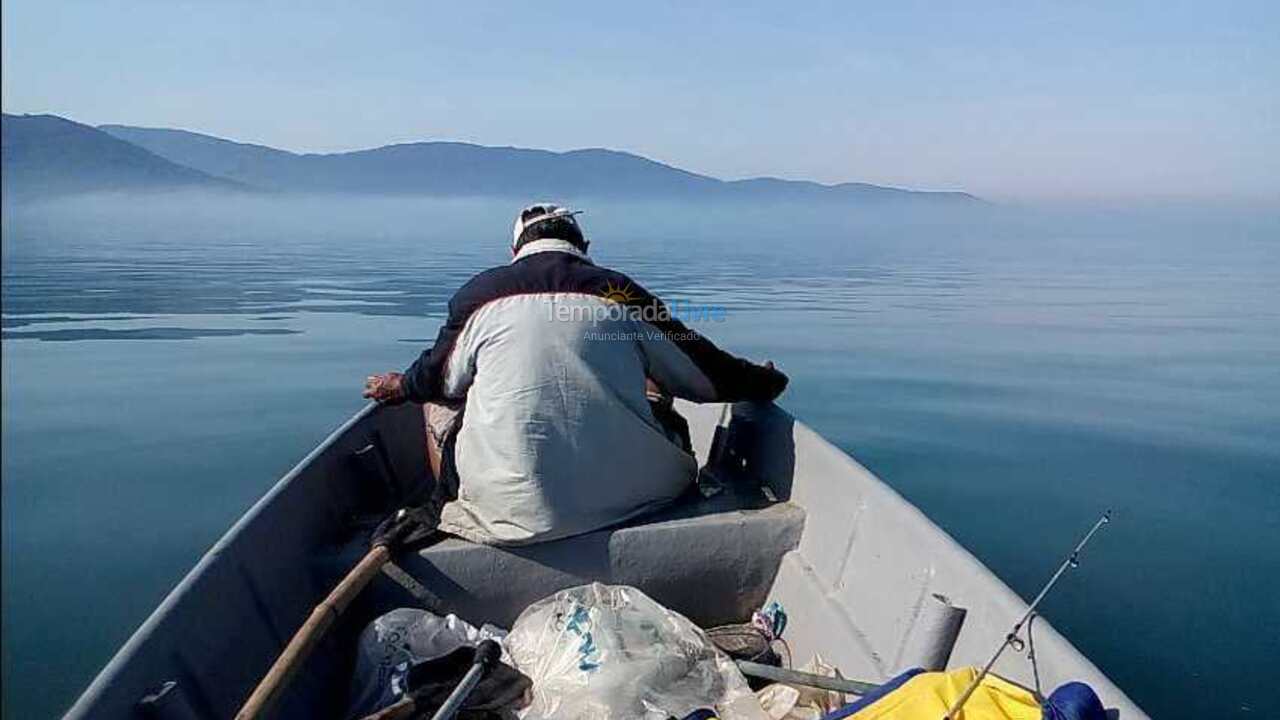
<point x="165" y="362"/>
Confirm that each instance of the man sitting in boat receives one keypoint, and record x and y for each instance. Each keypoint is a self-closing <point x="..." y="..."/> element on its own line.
<point x="545" y="391"/>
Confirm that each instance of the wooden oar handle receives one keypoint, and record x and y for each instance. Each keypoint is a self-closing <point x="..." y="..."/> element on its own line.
<point x="307" y="636"/>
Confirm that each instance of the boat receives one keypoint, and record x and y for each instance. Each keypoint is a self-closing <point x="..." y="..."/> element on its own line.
<point x="785" y="516"/>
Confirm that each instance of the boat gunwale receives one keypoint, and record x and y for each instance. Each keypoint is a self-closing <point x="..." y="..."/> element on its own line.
<point x="1007" y="595"/>
<point x="175" y="595"/>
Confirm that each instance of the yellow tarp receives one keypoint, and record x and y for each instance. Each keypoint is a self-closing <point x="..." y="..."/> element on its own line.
<point x="928" y="696"/>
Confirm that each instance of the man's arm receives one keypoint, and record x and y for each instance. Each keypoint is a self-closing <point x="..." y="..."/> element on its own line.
<point x="688" y="365"/>
<point x="424" y="380"/>
<point x="438" y="372"/>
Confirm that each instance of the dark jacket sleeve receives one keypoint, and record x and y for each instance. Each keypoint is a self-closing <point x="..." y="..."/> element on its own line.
<point x="733" y="379"/>
<point x="424" y="379"/>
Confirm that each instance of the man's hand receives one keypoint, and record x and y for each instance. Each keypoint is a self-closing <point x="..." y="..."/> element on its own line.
<point x="386" y="388"/>
<point x="774" y="381"/>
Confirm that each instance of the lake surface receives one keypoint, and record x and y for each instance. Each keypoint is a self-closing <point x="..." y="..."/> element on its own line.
<point x="1012" y="374"/>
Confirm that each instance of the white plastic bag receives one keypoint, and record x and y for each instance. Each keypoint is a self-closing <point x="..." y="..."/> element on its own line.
<point x="787" y="702"/>
<point x="394" y="642"/>
<point x="597" y="652"/>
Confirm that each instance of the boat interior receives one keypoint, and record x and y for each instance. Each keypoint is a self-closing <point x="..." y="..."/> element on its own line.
<point x="780" y="515"/>
<point x="712" y="559"/>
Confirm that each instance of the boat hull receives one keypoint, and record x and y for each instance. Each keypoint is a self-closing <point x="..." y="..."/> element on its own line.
<point x="799" y="521"/>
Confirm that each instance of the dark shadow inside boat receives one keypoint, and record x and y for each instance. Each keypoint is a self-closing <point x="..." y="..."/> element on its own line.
<point x="712" y="558"/>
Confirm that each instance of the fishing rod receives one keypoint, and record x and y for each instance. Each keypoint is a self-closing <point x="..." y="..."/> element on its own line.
<point x="1072" y="560"/>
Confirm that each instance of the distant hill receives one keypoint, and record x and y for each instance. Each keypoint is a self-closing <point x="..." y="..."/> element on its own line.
<point x="45" y="155"/>
<point x="462" y="169"/>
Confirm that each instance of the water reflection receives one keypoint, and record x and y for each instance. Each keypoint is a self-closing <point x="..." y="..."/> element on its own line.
<point x="1011" y="378"/>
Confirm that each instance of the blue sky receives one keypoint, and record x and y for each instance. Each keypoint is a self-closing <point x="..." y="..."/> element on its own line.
<point x="1016" y="100"/>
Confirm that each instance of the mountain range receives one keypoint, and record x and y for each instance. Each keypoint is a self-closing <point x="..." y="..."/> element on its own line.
<point x="47" y="155"/>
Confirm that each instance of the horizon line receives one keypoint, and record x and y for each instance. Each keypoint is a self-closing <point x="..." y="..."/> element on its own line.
<point x="468" y="143"/>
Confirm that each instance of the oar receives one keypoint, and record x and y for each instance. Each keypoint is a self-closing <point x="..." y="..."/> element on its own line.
<point x="305" y="640"/>
<point x="404" y="527"/>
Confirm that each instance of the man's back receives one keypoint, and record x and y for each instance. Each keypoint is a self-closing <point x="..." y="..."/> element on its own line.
<point x="535" y="392"/>
<point x="557" y="436"/>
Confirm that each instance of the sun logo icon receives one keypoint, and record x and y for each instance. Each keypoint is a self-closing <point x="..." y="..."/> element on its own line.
<point x="620" y="294"/>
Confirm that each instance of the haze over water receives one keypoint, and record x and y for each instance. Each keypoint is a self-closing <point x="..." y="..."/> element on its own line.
<point x="1012" y="373"/>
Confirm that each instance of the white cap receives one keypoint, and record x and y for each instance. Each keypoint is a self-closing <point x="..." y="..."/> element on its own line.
<point x="535" y="214"/>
